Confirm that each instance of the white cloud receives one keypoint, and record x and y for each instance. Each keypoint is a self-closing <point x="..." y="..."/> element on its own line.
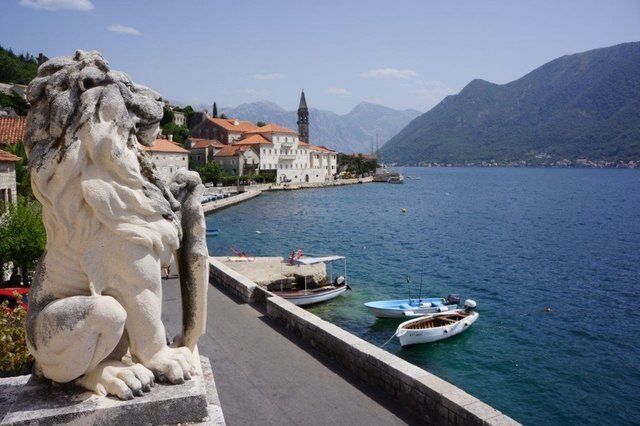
<point x="389" y="73"/>
<point x="81" y="5"/>
<point x="123" y="29"/>
<point x="269" y="76"/>
<point x="337" y="91"/>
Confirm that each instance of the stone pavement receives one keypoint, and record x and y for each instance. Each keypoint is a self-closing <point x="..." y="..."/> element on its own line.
<point x="266" y="376"/>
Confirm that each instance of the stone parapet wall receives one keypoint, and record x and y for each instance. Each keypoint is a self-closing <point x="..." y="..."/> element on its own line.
<point x="226" y="202"/>
<point x="433" y="399"/>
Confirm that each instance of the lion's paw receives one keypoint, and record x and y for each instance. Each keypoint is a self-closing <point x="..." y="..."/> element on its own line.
<point x="118" y="379"/>
<point x="173" y="365"/>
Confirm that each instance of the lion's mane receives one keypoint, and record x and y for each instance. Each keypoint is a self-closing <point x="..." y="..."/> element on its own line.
<point x="83" y="133"/>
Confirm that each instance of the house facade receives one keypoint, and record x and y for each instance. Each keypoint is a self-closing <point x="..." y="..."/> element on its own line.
<point x="201" y="151"/>
<point x="8" y="184"/>
<point x="168" y="157"/>
<point x="237" y="160"/>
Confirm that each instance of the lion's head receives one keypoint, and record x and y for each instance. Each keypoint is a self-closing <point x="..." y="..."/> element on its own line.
<point x="82" y="137"/>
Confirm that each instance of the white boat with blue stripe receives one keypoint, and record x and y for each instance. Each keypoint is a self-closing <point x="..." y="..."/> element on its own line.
<point x="409" y="308"/>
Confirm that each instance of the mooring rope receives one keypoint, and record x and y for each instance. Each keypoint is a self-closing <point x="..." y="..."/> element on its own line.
<point x="390" y="339"/>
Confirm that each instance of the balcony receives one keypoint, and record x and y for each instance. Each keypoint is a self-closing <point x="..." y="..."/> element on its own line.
<point x="286" y="157"/>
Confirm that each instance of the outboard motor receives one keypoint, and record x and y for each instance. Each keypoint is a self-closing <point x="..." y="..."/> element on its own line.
<point x="469" y="305"/>
<point x="340" y="280"/>
<point x="453" y="299"/>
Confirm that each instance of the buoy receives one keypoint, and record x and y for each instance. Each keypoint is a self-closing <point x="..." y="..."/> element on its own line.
<point x="547" y="309"/>
<point x="404" y="210"/>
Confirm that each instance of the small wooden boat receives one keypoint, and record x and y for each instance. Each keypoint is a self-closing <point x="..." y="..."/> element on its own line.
<point x="310" y="296"/>
<point x="435" y="327"/>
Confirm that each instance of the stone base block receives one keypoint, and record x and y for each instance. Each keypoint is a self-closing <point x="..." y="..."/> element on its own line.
<point x="35" y="401"/>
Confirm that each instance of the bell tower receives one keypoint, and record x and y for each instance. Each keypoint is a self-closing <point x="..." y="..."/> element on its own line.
<point x="303" y="119"/>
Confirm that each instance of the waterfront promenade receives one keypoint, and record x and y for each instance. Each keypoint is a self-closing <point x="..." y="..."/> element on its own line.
<point x="266" y="376"/>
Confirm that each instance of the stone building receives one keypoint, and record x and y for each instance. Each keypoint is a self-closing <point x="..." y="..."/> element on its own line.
<point x="8" y="190"/>
<point x="201" y="151"/>
<point x="168" y="157"/>
<point x="179" y="119"/>
<point x="225" y="130"/>
<point x="237" y="160"/>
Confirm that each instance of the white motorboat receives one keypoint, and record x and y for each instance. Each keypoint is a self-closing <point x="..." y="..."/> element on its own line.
<point x="310" y="296"/>
<point x="432" y="328"/>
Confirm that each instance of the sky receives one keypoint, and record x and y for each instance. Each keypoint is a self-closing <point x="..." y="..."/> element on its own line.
<point x="401" y="54"/>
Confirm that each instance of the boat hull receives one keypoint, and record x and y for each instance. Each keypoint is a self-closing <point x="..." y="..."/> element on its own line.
<point x="299" y="298"/>
<point x="416" y="336"/>
<point x="406" y="308"/>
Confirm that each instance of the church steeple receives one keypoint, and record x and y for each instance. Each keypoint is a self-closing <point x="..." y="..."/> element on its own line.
<point x="303" y="119"/>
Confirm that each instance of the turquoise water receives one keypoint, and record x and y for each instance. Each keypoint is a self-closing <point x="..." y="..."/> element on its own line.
<point x="514" y="240"/>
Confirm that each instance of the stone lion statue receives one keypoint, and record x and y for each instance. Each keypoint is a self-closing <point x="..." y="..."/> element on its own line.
<point x="111" y="224"/>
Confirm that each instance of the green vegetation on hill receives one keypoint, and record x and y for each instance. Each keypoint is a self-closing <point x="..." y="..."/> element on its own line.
<point x="18" y="69"/>
<point x="585" y="105"/>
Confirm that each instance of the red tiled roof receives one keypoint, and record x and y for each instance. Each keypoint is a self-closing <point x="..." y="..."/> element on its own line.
<point x="12" y="129"/>
<point x="229" y="124"/>
<point x="203" y="143"/>
<point x="320" y="148"/>
<point x="230" y="151"/>
<point x="6" y="157"/>
<point x="165" y="145"/>
<point x="272" y="128"/>
<point x="254" y="139"/>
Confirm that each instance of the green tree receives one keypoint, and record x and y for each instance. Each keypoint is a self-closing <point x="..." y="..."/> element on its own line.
<point x="261" y="124"/>
<point x="223" y="115"/>
<point x="215" y="110"/>
<point x="167" y="116"/>
<point x="180" y="133"/>
<point x="18" y="69"/>
<point x="16" y="102"/>
<point x="23" y="175"/>
<point x="22" y="235"/>
<point x="210" y="172"/>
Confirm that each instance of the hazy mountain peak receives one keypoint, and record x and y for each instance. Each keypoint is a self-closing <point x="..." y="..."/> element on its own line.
<point x="351" y="132"/>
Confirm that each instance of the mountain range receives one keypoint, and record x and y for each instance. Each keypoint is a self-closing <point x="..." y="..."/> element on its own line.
<point x="349" y="133"/>
<point x="585" y="105"/>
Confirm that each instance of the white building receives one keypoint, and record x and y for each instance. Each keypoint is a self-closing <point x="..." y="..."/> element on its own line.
<point x="168" y="157"/>
<point x="281" y="150"/>
<point x="179" y="118"/>
<point x="8" y="191"/>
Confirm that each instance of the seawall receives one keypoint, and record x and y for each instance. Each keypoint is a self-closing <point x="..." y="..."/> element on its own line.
<point x="433" y="399"/>
<point x="229" y="201"/>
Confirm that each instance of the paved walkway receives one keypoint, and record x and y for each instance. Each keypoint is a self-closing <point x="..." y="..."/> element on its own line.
<point x="265" y="376"/>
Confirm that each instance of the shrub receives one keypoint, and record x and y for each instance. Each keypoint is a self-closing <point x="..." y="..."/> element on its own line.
<point x="14" y="355"/>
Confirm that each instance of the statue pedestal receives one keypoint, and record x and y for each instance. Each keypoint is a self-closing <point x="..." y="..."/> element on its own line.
<point x="38" y="402"/>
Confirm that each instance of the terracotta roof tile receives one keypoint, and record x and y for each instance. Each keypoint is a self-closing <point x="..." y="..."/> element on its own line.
<point x="12" y="129"/>
<point x="203" y="143"/>
<point x="254" y="139"/>
<point x="6" y="157"/>
<point x="320" y="148"/>
<point x="233" y="125"/>
<point x="230" y="151"/>
<point x="164" y="145"/>
<point x="272" y="128"/>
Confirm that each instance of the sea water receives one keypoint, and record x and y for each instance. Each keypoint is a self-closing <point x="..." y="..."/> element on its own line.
<point x="517" y="241"/>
